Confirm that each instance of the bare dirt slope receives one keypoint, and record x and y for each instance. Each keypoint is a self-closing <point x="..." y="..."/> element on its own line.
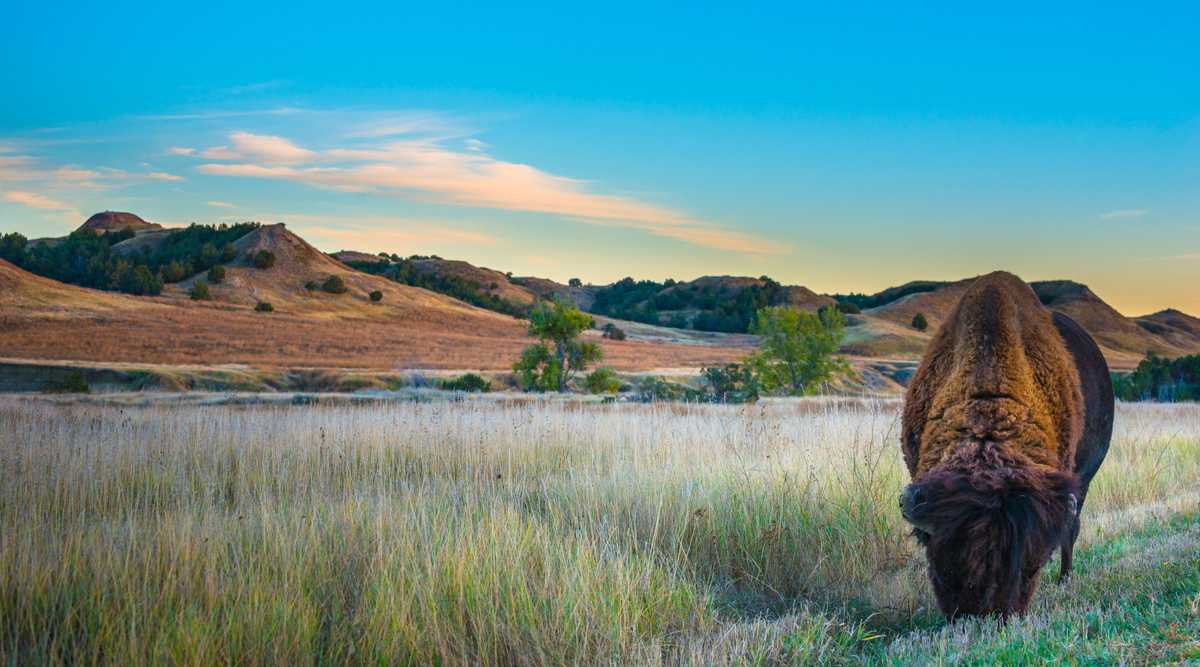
<point x="117" y="221"/>
<point x="1177" y="328"/>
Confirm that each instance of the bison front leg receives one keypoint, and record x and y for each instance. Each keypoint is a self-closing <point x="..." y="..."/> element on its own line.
<point x="1068" y="543"/>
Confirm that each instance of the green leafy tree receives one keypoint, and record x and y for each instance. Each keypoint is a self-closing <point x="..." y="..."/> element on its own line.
<point x="553" y="362"/>
<point x="798" y="352"/>
<point x="575" y="282"/>
<point x="376" y="296"/>
<point x="264" y="307"/>
<point x="919" y="322"/>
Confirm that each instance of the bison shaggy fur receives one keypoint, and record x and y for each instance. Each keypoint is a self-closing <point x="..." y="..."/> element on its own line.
<point x="1005" y="422"/>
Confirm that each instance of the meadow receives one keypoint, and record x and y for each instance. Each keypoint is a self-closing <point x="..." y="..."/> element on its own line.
<point x="497" y="532"/>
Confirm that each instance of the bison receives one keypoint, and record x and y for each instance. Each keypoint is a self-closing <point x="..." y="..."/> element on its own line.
<point x="1005" y="422"/>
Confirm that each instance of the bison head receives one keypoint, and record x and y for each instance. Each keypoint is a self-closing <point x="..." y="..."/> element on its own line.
<point x="988" y="526"/>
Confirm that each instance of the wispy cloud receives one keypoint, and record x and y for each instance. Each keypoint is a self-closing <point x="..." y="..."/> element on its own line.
<point x="1125" y="214"/>
<point x="428" y="169"/>
<point x="221" y="204"/>
<point x="162" y="176"/>
<point x="181" y="150"/>
<point x="260" y="147"/>
<point x="35" y="200"/>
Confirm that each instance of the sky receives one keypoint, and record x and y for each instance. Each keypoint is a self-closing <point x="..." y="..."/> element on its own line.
<point x="845" y="148"/>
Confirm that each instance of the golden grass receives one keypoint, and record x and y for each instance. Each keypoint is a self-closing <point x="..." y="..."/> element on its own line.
<point x="486" y="532"/>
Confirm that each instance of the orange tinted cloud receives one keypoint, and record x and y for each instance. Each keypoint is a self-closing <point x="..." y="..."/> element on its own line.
<point x="430" y="170"/>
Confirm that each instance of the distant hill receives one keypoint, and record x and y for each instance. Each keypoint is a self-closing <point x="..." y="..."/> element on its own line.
<point x="1125" y="340"/>
<point x="117" y="221"/>
<point x="1178" y="329"/>
<point x="709" y="303"/>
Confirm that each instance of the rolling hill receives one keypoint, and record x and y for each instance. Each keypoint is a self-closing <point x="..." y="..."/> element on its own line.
<point x="41" y="319"/>
<point x="425" y="317"/>
<point x="1124" y="340"/>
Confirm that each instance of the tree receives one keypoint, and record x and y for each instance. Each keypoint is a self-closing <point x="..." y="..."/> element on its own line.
<point x="216" y="274"/>
<point x="798" y="352"/>
<point x="264" y="259"/>
<point x="575" y="282"/>
<point x="139" y="280"/>
<point x="174" y="271"/>
<point x="263" y="307"/>
<point x="12" y="247"/>
<point x="335" y="285"/>
<point x="554" y="361"/>
<point x="919" y="322"/>
<point x="376" y="296"/>
<point x="199" y="291"/>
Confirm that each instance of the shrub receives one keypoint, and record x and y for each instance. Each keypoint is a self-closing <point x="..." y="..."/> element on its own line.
<point x="652" y="389"/>
<point x="334" y="285"/>
<point x="602" y="381"/>
<point x="919" y="322"/>
<point x="376" y="296"/>
<point x="848" y="307"/>
<point x="216" y="275"/>
<point x="470" y="382"/>
<point x="71" y="383"/>
<point x="264" y="259"/>
<point x="731" y="383"/>
<point x="613" y="332"/>
<point x="312" y="285"/>
<point x="264" y="307"/>
<point x="199" y="291"/>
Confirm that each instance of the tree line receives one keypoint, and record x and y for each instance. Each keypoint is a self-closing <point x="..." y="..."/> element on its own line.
<point x="88" y="259"/>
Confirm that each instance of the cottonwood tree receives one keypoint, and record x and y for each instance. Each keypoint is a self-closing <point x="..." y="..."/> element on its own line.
<point x="553" y="362"/>
<point x="798" y="352"/>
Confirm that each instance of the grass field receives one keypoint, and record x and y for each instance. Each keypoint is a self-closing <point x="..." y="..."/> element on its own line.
<point x="548" y="533"/>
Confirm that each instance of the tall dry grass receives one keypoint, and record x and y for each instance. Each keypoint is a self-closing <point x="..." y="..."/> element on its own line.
<point x="483" y="532"/>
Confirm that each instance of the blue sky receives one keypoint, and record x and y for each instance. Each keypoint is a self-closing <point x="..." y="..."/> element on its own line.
<point x="846" y="148"/>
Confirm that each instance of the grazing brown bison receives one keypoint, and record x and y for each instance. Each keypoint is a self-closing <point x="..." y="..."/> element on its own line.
<point x="1005" y="422"/>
